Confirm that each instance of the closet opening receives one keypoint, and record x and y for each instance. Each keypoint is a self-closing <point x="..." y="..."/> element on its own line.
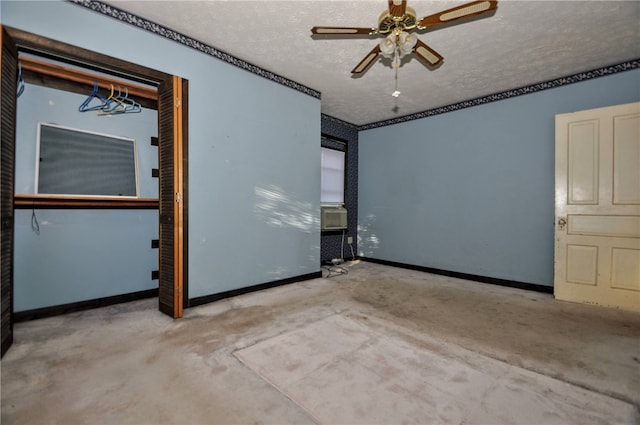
<point x="98" y="99"/>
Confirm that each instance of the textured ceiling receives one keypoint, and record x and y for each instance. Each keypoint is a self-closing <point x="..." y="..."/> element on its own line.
<point x="523" y="43"/>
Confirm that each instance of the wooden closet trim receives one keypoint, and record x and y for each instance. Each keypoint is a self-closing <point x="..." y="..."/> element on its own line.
<point x="52" y="75"/>
<point x="27" y="201"/>
<point x="56" y="50"/>
<point x="62" y="52"/>
<point x="9" y="66"/>
<point x="78" y="81"/>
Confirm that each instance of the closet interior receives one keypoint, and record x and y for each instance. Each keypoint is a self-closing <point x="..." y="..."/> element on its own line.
<point x="66" y="251"/>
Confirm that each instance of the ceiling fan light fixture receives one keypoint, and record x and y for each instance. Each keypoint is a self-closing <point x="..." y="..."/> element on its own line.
<point x="406" y="43"/>
<point x="388" y="46"/>
<point x="397" y="21"/>
<point x="398" y="42"/>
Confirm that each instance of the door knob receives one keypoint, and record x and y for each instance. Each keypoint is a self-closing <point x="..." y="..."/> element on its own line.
<point x="562" y="222"/>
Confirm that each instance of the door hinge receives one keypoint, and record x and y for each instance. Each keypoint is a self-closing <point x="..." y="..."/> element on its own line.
<point x="178" y="102"/>
<point x="178" y="197"/>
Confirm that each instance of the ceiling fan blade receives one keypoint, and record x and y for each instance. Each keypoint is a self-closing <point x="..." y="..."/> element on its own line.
<point x="397" y="8"/>
<point x="427" y="54"/>
<point x="368" y="60"/>
<point x="343" y="30"/>
<point x="459" y="12"/>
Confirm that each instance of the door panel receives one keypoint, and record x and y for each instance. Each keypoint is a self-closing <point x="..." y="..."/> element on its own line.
<point x="171" y="255"/>
<point x="604" y="225"/>
<point x="626" y="149"/>
<point x="7" y="164"/>
<point x="582" y="263"/>
<point x="597" y="234"/>
<point x="583" y="162"/>
<point x="625" y="273"/>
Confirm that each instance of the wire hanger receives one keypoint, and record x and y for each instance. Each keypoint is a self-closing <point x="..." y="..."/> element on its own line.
<point x="120" y="104"/>
<point x="112" y="105"/>
<point x="116" y="105"/>
<point x="95" y="94"/>
<point x="20" y="82"/>
<point x="133" y="106"/>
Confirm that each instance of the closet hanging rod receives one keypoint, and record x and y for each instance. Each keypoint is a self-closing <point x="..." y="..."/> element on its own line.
<point x="81" y="77"/>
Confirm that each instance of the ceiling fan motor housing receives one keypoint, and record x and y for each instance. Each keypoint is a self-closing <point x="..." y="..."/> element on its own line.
<point x="387" y="23"/>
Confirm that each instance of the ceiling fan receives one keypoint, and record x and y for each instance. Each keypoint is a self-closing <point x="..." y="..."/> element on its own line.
<point x="397" y="22"/>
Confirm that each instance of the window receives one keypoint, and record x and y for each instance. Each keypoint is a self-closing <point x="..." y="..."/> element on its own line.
<point x="332" y="177"/>
<point x="76" y="162"/>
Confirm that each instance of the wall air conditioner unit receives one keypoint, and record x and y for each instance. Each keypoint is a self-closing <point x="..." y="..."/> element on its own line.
<point x="333" y="218"/>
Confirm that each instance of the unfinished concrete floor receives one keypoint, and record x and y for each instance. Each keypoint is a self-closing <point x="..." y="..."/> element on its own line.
<point x="379" y="345"/>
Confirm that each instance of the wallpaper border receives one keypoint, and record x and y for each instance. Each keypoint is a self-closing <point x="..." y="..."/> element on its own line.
<point x="558" y="82"/>
<point x="165" y="32"/>
<point x="145" y="24"/>
<point x="339" y="122"/>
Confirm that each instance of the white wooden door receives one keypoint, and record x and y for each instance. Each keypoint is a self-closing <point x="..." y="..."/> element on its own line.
<point x="597" y="227"/>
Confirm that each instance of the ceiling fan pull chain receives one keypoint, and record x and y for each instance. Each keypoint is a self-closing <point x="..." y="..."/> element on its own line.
<point x="396" y="63"/>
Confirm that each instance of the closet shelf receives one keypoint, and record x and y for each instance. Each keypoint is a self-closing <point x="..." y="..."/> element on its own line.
<point x="41" y="72"/>
<point x="28" y="201"/>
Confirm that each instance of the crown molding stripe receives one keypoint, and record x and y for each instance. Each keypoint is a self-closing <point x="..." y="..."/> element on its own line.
<point x="558" y="82"/>
<point x="165" y="32"/>
<point x="150" y="26"/>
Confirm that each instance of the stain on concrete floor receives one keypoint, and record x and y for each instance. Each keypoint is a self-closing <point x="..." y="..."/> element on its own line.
<point x="131" y="364"/>
<point x="350" y="369"/>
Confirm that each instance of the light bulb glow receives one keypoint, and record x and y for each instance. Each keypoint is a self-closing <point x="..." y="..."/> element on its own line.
<point x="406" y="43"/>
<point x="388" y="46"/>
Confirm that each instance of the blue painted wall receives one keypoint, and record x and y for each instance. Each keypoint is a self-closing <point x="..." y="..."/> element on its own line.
<point x="254" y="151"/>
<point x="80" y="255"/>
<point x="472" y="191"/>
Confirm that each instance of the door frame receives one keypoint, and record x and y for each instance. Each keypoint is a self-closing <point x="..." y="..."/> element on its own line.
<point x="48" y="48"/>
